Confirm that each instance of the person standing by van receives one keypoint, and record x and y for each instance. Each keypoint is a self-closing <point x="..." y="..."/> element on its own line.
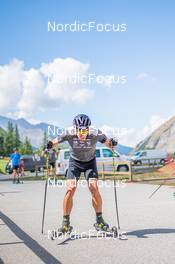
<point x="82" y="139"/>
<point x="15" y="158"/>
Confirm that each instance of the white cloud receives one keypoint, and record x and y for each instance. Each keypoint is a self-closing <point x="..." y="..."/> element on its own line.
<point x="142" y="75"/>
<point x="132" y="136"/>
<point x="25" y="92"/>
<point x="61" y="85"/>
<point x="11" y="77"/>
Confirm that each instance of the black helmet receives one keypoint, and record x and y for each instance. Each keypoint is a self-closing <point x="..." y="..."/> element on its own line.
<point x="81" y="120"/>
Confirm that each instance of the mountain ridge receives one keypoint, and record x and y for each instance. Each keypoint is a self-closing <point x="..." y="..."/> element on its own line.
<point x="35" y="132"/>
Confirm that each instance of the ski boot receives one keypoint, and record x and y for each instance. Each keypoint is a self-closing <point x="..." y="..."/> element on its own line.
<point x="65" y="229"/>
<point x="61" y="231"/>
<point x="102" y="226"/>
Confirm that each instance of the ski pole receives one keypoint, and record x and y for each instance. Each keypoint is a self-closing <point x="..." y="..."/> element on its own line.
<point x="157" y="189"/>
<point x="115" y="193"/>
<point x="45" y="196"/>
<point x="44" y="207"/>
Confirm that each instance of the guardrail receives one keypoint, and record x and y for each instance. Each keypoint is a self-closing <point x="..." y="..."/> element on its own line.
<point x="117" y="172"/>
<point x="106" y="168"/>
<point x="148" y="165"/>
<point x="153" y="161"/>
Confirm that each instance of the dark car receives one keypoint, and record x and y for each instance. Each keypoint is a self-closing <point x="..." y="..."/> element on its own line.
<point x="30" y="163"/>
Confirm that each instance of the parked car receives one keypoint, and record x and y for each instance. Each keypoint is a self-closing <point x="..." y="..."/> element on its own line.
<point x="103" y="155"/>
<point x="29" y="163"/>
<point x="40" y="163"/>
<point x="153" y="156"/>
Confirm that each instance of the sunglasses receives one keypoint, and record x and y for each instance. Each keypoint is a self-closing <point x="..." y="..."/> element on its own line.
<point x="83" y="131"/>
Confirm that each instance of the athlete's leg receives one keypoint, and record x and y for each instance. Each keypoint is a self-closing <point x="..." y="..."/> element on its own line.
<point x="92" y="177"/>
<point x="67" y="206"/>
<point x="54" y="169"/>
<point x="49" y="170"/>
<point x="97" y="203"/>
<point x="17" y="174"/>
<point x="72" y="175"/>
<point x="14" y="174"/>
<point x="68" y="198"/>
<point x="96" y="197"/>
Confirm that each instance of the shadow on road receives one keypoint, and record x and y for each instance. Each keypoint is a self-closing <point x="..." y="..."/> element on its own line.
<point x="11" y="243"/>
<point x="38" y="250"/>
<point x="143" y="233"/>
<point x="2" y="193"/>
<point x="1" y="261"/>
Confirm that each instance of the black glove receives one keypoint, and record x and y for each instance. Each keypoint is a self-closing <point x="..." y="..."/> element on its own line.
<point x="114" y="142"/>
<point x="49" y="145"/>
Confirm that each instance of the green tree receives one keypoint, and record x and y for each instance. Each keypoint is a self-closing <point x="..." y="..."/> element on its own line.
<point x="2" y="142"/>
<point x="17" y="137"/>
<point x="45" y="139"/>
<point x="26" y="147"/>
<point x="9" y="139"/>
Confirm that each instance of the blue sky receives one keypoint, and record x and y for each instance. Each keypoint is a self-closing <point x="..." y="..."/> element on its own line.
<point x="144" y="53"/>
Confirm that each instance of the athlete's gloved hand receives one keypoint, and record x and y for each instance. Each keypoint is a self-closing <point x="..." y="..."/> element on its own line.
<point x="49" y="145"/>
<point x="114" y="142"/>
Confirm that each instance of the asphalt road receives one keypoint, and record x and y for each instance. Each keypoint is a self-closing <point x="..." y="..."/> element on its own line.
<point x="150" y="224"/>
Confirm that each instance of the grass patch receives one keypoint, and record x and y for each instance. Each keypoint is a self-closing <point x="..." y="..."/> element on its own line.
<point x="3" y="164"/>
<point x="149" y="176"/>
<point x="154" y="178"/>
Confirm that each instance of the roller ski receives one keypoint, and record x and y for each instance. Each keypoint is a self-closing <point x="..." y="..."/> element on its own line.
<point x="103" y="228"/>
<point x="113" y="232"/>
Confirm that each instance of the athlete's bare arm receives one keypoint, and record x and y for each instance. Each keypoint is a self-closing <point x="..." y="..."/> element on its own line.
<point x="55" y="142"/>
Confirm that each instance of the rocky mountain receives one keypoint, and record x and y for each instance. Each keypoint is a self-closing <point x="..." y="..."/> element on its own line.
<point x="162" y="138"/>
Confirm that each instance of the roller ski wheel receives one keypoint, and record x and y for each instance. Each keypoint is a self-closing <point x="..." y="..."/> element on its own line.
<point x="114" y="231"/>
<point x="121" y="235"/>
<point x="104" y="228"/>
<point x="61" y="231"/>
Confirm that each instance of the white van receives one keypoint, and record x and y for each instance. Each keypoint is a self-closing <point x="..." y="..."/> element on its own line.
<point x="103" y="155"/>
<point x="149" y="156"/>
